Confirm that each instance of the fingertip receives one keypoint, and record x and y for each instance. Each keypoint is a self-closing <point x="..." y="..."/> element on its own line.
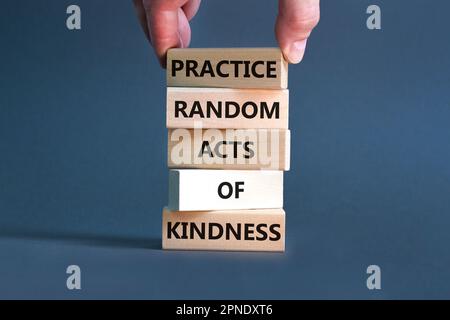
<point x="190" y="8"/>
<point x="295" y="22"/>
<point x="295" y="52"/>
<point x="162" y="52"/>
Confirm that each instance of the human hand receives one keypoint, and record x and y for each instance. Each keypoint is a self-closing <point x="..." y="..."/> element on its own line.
<point x="166" y="24"/>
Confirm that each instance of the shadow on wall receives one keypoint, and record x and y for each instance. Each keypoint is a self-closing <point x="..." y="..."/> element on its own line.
<point x="87" y="239"/>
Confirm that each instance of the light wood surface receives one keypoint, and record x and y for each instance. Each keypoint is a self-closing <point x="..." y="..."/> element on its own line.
<point x="201" y="189"/>
<point x="246" y="149"/>
<point x="227" y="108"/>
<point x="227" y="68"/>
<point x="237" y="230"/>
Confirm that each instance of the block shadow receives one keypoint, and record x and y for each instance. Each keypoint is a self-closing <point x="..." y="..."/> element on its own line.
<point x="84" y="239"/>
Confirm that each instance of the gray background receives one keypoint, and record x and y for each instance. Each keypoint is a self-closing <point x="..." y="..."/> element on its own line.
<point x="83" y="174"/>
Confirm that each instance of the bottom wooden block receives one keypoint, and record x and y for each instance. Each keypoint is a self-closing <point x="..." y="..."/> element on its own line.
<point x="237" y="230"/>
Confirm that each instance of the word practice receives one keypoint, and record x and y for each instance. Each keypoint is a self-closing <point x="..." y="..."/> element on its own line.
<point x="227" y="68"/>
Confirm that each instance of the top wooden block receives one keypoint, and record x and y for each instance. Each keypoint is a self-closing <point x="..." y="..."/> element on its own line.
<point x="227" y="68"/>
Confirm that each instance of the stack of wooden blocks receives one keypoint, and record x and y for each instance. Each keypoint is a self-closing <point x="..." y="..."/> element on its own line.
<point x="228" y="145"/>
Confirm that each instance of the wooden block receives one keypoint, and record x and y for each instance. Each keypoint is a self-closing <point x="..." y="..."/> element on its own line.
<point x="239" y="230"/>
<point x="198" y="189"/>
<point x="227" y="108"/>
<point x="246" y="149"/>
<point x="227" y="68"/>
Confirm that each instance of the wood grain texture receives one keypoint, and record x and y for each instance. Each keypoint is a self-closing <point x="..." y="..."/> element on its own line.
<point x="236" y="230"/>
<point x="245" y="149"/>
<point x="199" y="189"/>
<point x="227" y="68"/>
<point x="227" y="108"/>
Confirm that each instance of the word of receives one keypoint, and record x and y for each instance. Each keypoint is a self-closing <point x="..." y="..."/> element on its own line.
<point x="229" y="188"/>
<point x="197" y="189"/>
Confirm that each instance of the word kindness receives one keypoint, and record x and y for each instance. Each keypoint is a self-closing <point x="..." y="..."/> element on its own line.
<point x="261" y="229"/>
<point x="227" y="231"/>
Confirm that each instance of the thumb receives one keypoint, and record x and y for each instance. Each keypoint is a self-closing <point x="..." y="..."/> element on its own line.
<point x="295" y="22"/>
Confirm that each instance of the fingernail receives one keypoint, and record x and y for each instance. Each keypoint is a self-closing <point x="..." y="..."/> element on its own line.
<point x="296" y="51"/>
<point x="180" y="41"/>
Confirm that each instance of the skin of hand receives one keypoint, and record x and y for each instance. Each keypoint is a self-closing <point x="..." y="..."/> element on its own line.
<point x="166" y="24"/>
